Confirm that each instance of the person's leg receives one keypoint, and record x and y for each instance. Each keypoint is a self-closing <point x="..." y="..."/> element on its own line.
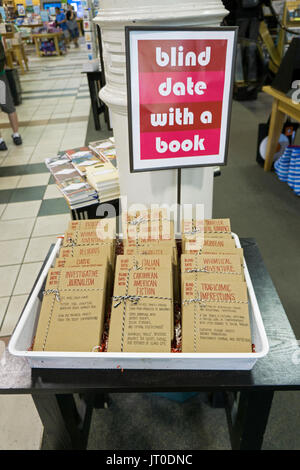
<point x="9" y="108"/>
<point x="76" y="36"/>
<point x="14" y="123"/>
<point x="13" y="119"/>
<point x="3" y="145"/>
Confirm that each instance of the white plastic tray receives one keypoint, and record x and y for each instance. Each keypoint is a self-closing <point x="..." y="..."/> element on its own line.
<point x="23" y="335"/>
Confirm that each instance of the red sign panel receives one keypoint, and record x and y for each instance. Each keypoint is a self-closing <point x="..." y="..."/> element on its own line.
<point x="179" y="90"/>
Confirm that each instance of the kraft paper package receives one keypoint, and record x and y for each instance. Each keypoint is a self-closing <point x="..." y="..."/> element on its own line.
<point x="155" y="213"/>
<point x="90" y="255"/>
<point x="88" y="238"/>
<point x="215" y="316"/>
<point x="73" y="309"/>
<point x="148" y="225"/>
<point x="81" y="261"/>
<point x="148" y="230"/>
<point x="90" y="232"/>
<point x="212" y="263"/>
<point x="142" y="311"/>
<point x="221" y="226"/>
<point x="195" y="231"/>
<point x="157" y="248"/>
<point x="145" y="263"/>
<point x="201" y="243"/>
<point x="85" y="237"/>
<point x="105" y="227"/>
<point x="227" y="266"/>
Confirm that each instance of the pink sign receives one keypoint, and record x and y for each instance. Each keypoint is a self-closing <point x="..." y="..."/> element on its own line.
<point x="179" y="96"/>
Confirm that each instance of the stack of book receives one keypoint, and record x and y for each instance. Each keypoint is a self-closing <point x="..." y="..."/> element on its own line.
<point x="87" y="175"/>
<point x="77" y="289"/>
<point x="76" y="190"/>
<point x="105" y="149"/>
<point x="215" y="311"/>
<point x="83" y="158"/>
<point x="104" y="178"/>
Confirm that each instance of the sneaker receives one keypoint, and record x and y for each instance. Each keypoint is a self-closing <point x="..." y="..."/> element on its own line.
<point x="3" y="145"/>
<point x="17" y="139"/>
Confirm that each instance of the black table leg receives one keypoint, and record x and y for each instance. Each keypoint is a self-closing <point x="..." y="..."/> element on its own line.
<point x="94" y="102"/>
<point x="247" y="418"/>
<point x="64" y="426"/>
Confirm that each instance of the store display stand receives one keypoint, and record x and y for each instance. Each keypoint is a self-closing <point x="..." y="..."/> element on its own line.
<point x="247" y="394"/>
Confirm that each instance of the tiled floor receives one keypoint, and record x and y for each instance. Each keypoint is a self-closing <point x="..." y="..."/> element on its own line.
<point x="53" y="116"/>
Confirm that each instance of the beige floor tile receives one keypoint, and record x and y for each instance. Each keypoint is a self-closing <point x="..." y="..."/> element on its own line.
<point x="40" y="156"/>
<point x="3" y="306"/>
<point x="13" y="313"/>
<point x="3" y="153"/>
<point x="62" y="115"/>
<point x="45" y="108"/>
<point x="12" y="251"/>
<point x="20" y="424"/>
<point x="8" y="276"/>
<point x="9" y="182"/>
<point x="2" y="207"/>
<point x="14" y="229"/>
<point x="31" y="139"/>
<point x="38" y="179"/>
<point x="47" y="101"/>
<point x="60" y="126"/>
<point x="21" y="210"/>
<point x="18" y="160"/>
<point x="72" y="143"/>
<point x="52" y="192"/>
<point x="38" y="248"/>
<point x="52" y="135"/>
<point x="27" y="276"/>
<point x="51" y="225"/>
<point x="46" y="149"/>
<point x="34" y="130"/>
<point x="21" y="150"/>
<point x="74" y="126"/>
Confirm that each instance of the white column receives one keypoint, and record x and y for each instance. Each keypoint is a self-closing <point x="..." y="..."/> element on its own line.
<point x="157" y="186"/>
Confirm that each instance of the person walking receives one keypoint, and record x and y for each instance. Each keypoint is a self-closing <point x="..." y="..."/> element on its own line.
<point x="6" y="102"/>
<point x="62" y="23"/>
<point x="72" y="24"/>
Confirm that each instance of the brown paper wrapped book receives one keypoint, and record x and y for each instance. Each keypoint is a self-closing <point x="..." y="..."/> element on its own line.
<point x="215" y="316"/>
<point x="195" y="233"/>
<point x="211" y="226"/>
<point x="83" y="261"/>
<point x="148" y="263"/>
<point x="142" y="311"/>
<point x="212" y="263"/>
<point x="228" y="266"/>
<point x="102" y="226"/>
<point x="72" y="311"/>
<point x="99" y="251"/>
<point x="85" y="237"/>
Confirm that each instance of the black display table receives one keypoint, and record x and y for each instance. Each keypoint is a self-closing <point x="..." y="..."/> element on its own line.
<point x="95" y="83"/>
<point x="247" y="394"/>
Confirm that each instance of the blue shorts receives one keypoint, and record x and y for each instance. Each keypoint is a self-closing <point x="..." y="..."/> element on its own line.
<point x="74" y="33"/>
